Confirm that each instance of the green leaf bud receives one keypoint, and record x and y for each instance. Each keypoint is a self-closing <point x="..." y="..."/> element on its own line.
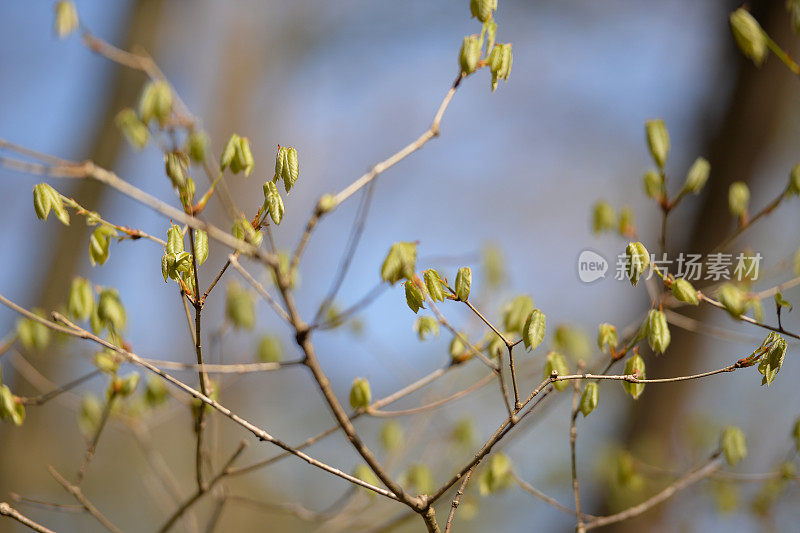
<point x="176" y="165"/>
<point x="98" y="244"/>
<point x="360" y="395"/>
<point x="533" y="331"/>
<point x="496" y="476"/>
<point x="733" y="299"/>
<point x="155" y="393"/>
<point x="110" y="310"/>
<point x="697" y="176"/>
<point x="175" y="243"/>
<point x="197" y="145"/>
<point x="749" y="36"/>
<point x="242" y="157"/>
<point x="66" y="19"/>
<point x="515" y="313"/>
<point x="10" y="407"/>
<point x="239" y="307"/>
<point x="273" y="203"/>
<point x="683" y="291"/>
<point x="606" y="337"/>
<point x="156" y="102"/>
<point x="134" y="130"/>
<point x="733" y="444"/>
<point x="287" y="167"/>
<point x="556" y="363"/>
<point x="772" y="361"/>
<point x="469" y="55"/>
<point x="33" y="334"/>
<point x="200" y="246"/>
<point x="589" y="398"/>
<point x="81" y="299"/>
<point x="229" y="152"/>
<point x="326" y="203"/>
<point x="400" y="262"/>
<point x="129" y="384"/>
<point x="658" y="141"/>
<point x="46" y="198"/>
<point x="603" y="217"/>
<point x="780" y="301"/>
<point x="244" y="230"/>
<point x="426" y="326"/>
<point x="653" y="183"/>
<point x="463" y="283"/>
<point x="482" y="9"/>
<point x="738" y="198"/>
<point x="270" y="349"/>
<point x="638" y="259"/>
<point x="500" y="61"/>
<point x="634" y="366"/>
<point x="627" y="224"/>
<point x="658" y="335"/>
<point x="458" y="350"/>
<point x="434" y="285"/>
<point x="415" y="295"/>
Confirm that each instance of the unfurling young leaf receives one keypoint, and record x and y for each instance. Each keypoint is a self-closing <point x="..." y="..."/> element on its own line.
<point x="33" y="334"/>
<point x="242" y="160"/>
<point x="360" y="395"/>
<point x="415" y="295"/>
<point x="749" y="36"/>
<point x="738" y="198"/>
<point x="426" y="326"/>
<point x="634" y="366"/>
<point x="496" y="476"/>
<point x="658" y="336"/>
<point x="658" y="141"/>
<point x="66" y="19"/>
<point x="239" y="307"/>
<point x="589" y="398"/>
<point x="392" y="436"/>
<point x="482" y="9"/>
<point x="200" y="246"/>
<point x="733" y="299"/>
<point x="400" y="262"/>
<point x="516" y="312"/>
<point x="780" y="301"/>
<point x="244" y="230"/>
<point x="134" y="130"/>
<point x="10" y="408"/>
<point x="638" y="259"/>
<point x="606" y="337"/>
<point x="697" y="176"/>
<point x="98" y="244"/>
<point x="228" y="152"/>
<point x="270" y="349"/>
<point x="733" y="444"/>
<point x="287" y="167"/>
<point x="653" y="183"/>
<point x="463" y="283"/>
<point x="197" y="145"/>
<point x="500" y="61"/>
<point x="556" y="362"/>
<point x="683" y="291"/>
<point x="533" y="331"/>
<point x="434" y="285"/>
<point x="81" y="299"/>
<point x="156" y="102"/>
<point x="110" y="310"/>
<point x="470" y="54"/>
<point x="772" y="360"/>
<point x="273" y="203"/>
<point x="46" y="198"/>
<point x="603" y="217"/>
<point x="175" y="243"/>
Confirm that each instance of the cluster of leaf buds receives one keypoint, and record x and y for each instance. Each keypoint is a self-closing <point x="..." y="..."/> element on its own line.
<point x="45" y="199"/>
<point x="500" y="60"/>
<point x="244" y="231"/>
<point x="156" y="102"/>
<point x="176" y="263"/>
<point x="287" y="167"/>
<point x="237" y="155"/>
<point x="134" y="130"/>
<point x="482" y="9"/>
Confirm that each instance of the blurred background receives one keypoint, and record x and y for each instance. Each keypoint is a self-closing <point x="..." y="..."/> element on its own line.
<point x="348" y="83"/>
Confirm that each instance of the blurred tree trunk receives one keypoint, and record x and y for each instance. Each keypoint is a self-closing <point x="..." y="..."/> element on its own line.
<point x="735" y="148"/>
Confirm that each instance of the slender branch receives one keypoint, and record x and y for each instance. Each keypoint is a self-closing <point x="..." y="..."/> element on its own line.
<point x="714" y="464"/>
<point x="258" y="287"/>
<point x="457" y="500"/>
<point x="527" y="487"/>
<point x="7" y="510"/>
<point x="769" y="208"/>
<point x="227" y="368"/>
<point x="46" y="397"/>
<point x="77" y="493"/>
<point x="573" y="437"/>
<point x="433" y="405"/>
<point x="92" y="447"/>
